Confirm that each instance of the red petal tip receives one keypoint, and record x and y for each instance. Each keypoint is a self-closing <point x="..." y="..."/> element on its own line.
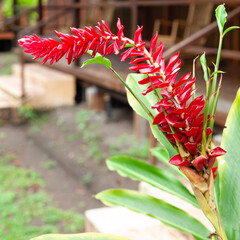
<point x="177" y="161"/>
<point x="216" y="152"/>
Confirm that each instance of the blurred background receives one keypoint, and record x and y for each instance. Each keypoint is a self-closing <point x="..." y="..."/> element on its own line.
<point x="59" y="123"/>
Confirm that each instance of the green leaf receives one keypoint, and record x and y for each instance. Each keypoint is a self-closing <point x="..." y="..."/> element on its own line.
<point x="166" y="213"/>
<point x="229" y="169"/>
<point x="159" y="178"/>
<point x="204" y="66"/>
<point x="149" y="100"/>
<point x="99" y="59"/>
<point x="80" y="236"/>
<point x="230" y="29"/>
<point x="162" y="155"/>
<point x="221" y="16"/>
<point x="216" y="72"/>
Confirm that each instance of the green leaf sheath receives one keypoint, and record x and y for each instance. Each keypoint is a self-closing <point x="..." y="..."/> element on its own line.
<point x="166" y="213"/>
<point x="229" y="169"/>
<point x="149" y="100"/>
<point x="204" y="66"/>
<point x="221" y="15"/>
<point x="159" y="178"/>
<point x="80" y="236"/>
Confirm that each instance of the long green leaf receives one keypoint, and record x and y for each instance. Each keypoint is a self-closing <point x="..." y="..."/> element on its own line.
<point x="80" y="236"/>
<point x="229" y="169"/>
<point x="149" y="100"/>
<point x="159" y="178"/>
<point x="166" y="213"/>
<point x="230" y="29"/>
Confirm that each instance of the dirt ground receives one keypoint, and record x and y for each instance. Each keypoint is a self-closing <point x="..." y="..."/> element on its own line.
<point x="71" y="155"/>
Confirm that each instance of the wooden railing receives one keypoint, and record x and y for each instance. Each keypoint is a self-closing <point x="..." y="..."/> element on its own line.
<point x="204" y="32"/>
<point x="133" y="6"/>
<point x="16" y="17"/>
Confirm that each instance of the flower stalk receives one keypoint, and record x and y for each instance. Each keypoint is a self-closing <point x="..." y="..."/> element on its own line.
<point x="214" y="94"/>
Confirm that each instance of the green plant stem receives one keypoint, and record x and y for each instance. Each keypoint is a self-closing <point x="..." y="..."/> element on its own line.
<point x="214" y="100"/>
<point x="206" y="112"/>
<point x="194" y="74"/>
<point x="133" y="94"/>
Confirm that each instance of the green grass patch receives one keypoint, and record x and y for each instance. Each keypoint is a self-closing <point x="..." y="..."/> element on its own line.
<point x="25" y="209"/>
<point x="37" y="119"/>
<point x="7" y="59"/>
<point x="128" y="146"/>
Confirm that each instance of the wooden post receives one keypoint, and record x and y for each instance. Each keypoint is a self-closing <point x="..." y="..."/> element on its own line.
<point x="134" y="17"/>
<point x="14" y="7"/>
<point x="76" y="17"/>
<point x="16" y="23"/>
<point x="40" y="16"/>
<point x="76" y="24"/>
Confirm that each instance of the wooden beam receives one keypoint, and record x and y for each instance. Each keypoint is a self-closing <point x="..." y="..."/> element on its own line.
<point x="181" y="2"/>
<point x="31" y="29"/>
<point x="15" y="17"/>
<point x="145" y="3"/>
<point x="6" y="35"/>
<point x="226" y="53"/>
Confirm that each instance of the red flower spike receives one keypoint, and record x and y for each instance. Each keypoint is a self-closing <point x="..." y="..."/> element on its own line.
<point x="199" y="162"/>
<point x="126" y="54"/>
<point x="216" y="152"/>
<point x="157" y="56"/>
<point x="173" y="109"/>
<point x="191" y="147"/>
<point x="158" y="119"/>
<point x="137" y="60"/>
<point x="141" y="66"/>
<point x="168" y="136"/>
<point x="138" y="36"/>
<point x="147" y="79"/>
<point x="214" y="169"/>
<point x="153" y="43"/>
<point x="120" y="28"/>
<point x="156" y="85"/>
<point x="177" y="161"/>
<point x="182" y="80"/>
<point x="172" y="61"/>
<point x="211" y="162"/>
<point x="107" y="27"/>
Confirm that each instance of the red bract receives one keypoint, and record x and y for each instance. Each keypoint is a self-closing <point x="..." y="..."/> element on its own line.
<point x="181" y="122"/>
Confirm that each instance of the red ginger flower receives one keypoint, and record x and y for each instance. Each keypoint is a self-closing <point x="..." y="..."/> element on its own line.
<point x="181" y="122"/>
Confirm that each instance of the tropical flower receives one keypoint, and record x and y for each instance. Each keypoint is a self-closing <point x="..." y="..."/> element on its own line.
<point x="179" y="118"/>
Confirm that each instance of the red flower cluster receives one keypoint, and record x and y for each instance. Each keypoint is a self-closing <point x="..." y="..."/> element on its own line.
<point x="181" y="122"/>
